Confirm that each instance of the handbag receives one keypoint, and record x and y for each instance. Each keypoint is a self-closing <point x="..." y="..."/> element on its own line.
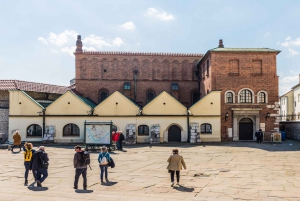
<point x="111" y="163"/>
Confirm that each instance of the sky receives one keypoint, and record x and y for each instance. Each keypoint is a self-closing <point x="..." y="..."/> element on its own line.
<point x="37" y="37"/>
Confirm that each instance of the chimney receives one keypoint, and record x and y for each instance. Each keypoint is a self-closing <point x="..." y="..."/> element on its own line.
<point x="78" y="45"/>
<point x="221" y="44"/>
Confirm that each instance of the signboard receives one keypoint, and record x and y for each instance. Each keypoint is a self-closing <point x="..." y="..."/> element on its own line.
<point x="130" y="137"/>
<point x="49" y="133"/>
<point x="98" y="133"/>
<point x="154" y="133"/>
<point x="195" y="132"/>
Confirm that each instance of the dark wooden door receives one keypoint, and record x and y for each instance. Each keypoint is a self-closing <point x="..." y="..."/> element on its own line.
<point x="245" y="129"/>
<point x="174" y="134"/>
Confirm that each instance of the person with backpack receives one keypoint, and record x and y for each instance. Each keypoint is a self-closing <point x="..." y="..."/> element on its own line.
<point x="28" y="152"/>
<point x="103" y="160"/>
<point x="81" y="161"/>
<point x="120" y="141"/>
<point x="259" y="136"/>
<point x="175" y="165"/>
<point x="17" y="141"/>
<point x="39" y="165"/>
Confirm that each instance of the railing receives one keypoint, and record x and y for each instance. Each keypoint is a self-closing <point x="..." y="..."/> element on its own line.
<point x="289" y="117"/>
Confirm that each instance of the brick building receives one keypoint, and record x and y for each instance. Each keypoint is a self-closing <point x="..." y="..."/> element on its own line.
<point x="247" y="78"/>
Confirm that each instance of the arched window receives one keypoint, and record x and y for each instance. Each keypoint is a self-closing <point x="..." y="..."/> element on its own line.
<point x="229" y="97"/>
<point x="261" y="97"/>
<point x="102" y="96"/>
<point x="143" y="130"/>
<point x="34" y="130"/>
<point x="150" y="96"/>
<point x="245" y="96"/>
<point x="206" y="128"/>
<point x="195" y="97"/>
<point x="71" y="130"/>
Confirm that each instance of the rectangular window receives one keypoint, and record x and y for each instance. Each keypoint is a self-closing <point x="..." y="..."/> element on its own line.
<point x="207" y="64"/>
<point x="127" y="85"/>
<point x="175" y="86"/>
<point x="234" y="66"/>
<point x="205" y="128"/>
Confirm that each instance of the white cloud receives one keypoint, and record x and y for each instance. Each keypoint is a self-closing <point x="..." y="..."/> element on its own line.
<point x="68" y="50"/>
<point x="43" y="40"/>
<point x="288" y="42"/>
<point x="96" y="41"/>
<point x="128" y="26"/>
<point x="62" y="38"/>
<point x="118" y="42"/>
<point x="152" y="12"/>
<point x="286" y="83"/>
<point x="54" y="51"/>
<point x="292" y="52"/>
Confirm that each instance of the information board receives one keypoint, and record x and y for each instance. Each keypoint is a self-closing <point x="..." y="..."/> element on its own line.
<point x="98" y="134"/>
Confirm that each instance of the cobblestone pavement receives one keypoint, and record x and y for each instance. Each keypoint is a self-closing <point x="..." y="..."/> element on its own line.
<point x="224" y="171"/>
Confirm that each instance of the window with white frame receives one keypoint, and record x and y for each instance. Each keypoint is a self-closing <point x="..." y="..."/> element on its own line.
<point x="245" y="96"/>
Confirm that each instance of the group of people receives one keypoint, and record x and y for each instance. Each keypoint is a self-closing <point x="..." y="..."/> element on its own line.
<point x="118" y="138"/>
<point x="38" y="162"/>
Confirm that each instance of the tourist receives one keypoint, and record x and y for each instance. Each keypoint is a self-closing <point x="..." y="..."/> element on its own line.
<point x="17" y="141"/>
<point x="28" y="152"/>
<point x="103" y="160"/>
<point x="39" y="165"/>
<point x="81" y="167"/>
<point x="120" y="141"/>
<point x="259" y="136"/>
<point x="175" y="165"/>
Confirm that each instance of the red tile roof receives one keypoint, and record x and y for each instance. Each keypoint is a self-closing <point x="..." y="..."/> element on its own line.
<point x="32" y="86"/>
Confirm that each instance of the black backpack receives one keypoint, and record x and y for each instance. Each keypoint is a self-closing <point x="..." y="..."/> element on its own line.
<point x="85" y="158"/>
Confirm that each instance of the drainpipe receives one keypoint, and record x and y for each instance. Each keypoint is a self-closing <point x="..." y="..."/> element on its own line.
<point x="44" y="119"/>
<point x="135" y="75"/>
<point x="188" y="125"/>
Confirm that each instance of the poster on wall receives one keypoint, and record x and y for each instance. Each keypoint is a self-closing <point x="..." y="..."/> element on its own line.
<point x="276" y="137"/>
<point x="49" y="133"/>
<point x="130" y="137"/>
<point x="98" y="134"/>
<point x="154" y="133"/>
<point x="195" y="132"/>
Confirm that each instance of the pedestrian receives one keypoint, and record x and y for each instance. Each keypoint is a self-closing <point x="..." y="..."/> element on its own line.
<point x="120" y="140"/>
<point x="39" y="165"/>
<point x="114" y="139"/>
<point x="80" y="166"/>
<point x="28" y="152"/>
<point x="17" y="141"/>
<point x="175" y="165"/>
<point x="259" y="136"/>
<point x="117" y="139"/>
<point x="103" y="160"/>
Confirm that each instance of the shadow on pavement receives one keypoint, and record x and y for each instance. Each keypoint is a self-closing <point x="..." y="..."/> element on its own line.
<point x="111" y="183"/>
<point x="83" y="191"/>
<point x="32" y="188"/>
<point x="183" y="188"/>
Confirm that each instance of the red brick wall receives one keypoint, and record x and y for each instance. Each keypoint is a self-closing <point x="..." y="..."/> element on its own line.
<point x="249" y="76"/>
<point x="97" y="71"/>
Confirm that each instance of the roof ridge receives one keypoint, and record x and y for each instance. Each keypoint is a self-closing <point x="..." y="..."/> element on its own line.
<point x="140" y="53"/>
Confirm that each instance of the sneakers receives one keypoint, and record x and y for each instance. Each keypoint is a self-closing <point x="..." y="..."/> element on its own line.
<point x="84" y="188"/>
<point x="75" y="187"/>
<point x="102" y="181"/>
<point x="38" y="183"/>
<point x="172" y="184"/>
<point x="106" y="180"/>
<point x="26" y="183"/>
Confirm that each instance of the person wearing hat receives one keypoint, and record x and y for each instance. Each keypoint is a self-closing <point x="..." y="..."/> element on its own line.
<point x="103" y="160"/>
<point x="80" y="169"/>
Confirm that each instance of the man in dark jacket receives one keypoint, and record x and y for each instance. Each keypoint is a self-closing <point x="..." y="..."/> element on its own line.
<point x="120" y="140"/>
<point x="36" y="165"/>
<point x="259" y="136"/>
<point x="80" y="168"/>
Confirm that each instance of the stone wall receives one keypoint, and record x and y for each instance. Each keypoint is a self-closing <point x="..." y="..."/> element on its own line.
<point x="292" y="129"/>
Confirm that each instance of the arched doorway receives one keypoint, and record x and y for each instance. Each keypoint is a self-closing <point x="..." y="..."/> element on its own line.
<point x="245" y="129"/>
<point x="174" y="134"/>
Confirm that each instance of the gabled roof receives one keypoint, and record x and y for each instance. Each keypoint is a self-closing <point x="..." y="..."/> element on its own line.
<point x="286" y="93"/>
<point x="85" y="100"/>
<point x="7" y="85"/>
<point x="296" y="86"/>
<point x="32" y="99"/>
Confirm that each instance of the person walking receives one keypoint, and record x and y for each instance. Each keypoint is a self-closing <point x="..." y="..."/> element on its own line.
<point x="17" y="141"/>
<point x="28" y="152"/>
<point x="259" y="136"/>
<point x="175" y="165"/>
<point x="39" y="165"/>
<point x="80" y="167"/>
<point x="103" y="160"/>
<point x="120" y="141"/>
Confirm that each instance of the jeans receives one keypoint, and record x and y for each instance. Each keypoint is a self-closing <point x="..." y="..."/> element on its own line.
<point x="258" y="139"/>
<point x="103" y="169"/>
<point x="78" y="172"/>
<point x="118" y="145"/>
<point x="26" y="164"/>
<point x="39" y="172"/>
<point x="177" y="175"/>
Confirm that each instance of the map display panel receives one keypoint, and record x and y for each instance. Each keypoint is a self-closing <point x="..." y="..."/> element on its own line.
<point x="98" y="134"/>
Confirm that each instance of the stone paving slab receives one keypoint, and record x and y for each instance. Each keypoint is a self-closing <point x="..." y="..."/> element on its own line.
<point x="216" y="171"/>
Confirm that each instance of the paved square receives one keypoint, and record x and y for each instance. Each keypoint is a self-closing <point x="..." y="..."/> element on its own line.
<point x="220" y="171"/>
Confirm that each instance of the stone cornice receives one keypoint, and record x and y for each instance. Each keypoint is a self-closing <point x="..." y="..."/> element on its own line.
<point x="140" y="54"/>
